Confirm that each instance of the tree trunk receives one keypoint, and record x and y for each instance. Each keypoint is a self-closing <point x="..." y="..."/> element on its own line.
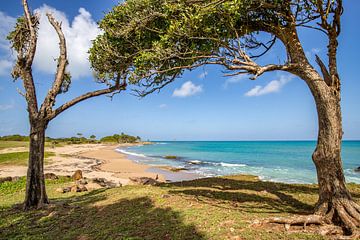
<point x="35" y="183"/>
<point x="335" y="202"/>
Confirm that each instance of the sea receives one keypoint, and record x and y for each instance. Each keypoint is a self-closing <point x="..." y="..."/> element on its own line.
<point x="277" y="161"/>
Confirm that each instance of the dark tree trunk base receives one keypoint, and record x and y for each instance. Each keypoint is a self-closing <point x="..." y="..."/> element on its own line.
<point x="36" y="196"/>
<point x="340" y="212"/>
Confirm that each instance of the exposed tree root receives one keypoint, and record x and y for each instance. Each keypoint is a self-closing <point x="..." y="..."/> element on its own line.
<point x="341" y="212"/>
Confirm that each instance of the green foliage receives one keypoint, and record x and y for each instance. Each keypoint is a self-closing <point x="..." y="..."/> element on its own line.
<point x="122" y="138"/>
<point x="15" y="137"/>
<point x="19" y="39"/>
<point x="155" y="41"/>
<point x="19" y="158"/>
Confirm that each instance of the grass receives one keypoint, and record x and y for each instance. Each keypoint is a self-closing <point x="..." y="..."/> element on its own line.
<point x="13" y="144"/>
<point x="214" y="208"/>
<point x="19" y="158"/>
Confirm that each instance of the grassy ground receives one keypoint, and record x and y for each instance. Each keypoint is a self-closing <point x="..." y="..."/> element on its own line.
<point x="19" y="158"/>
<point x="13" y="144"/>
<point x="215" y="208"/>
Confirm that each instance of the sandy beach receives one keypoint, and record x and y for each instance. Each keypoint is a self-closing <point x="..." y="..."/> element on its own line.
<point x="96" y="161"/>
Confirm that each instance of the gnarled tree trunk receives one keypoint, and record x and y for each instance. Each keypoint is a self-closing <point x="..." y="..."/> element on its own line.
<point x="335" y="202"/>
<point x="35" y="182"/>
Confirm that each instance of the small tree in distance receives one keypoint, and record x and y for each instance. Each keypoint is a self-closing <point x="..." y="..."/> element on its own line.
<point x="23" y="40"/>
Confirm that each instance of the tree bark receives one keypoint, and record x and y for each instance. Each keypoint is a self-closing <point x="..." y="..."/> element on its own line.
<point x="35" y="183"/>
<point x="335" y="202"/>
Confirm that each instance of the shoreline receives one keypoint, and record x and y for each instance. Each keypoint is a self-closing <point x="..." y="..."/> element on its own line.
<point x="99" y="161"/>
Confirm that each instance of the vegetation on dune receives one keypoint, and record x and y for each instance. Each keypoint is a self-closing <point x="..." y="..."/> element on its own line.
<point x="214" y="208"/>
<point x="12" y="141"/>
<point x="122" y="138"/>
<point x="15" y="137"/>
<point x="19" y="158"/>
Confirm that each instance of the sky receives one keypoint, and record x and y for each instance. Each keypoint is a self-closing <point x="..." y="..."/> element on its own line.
<point x="201" y="105"/>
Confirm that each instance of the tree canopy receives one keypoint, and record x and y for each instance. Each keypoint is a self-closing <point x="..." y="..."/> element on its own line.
<point x="153" y="41"/>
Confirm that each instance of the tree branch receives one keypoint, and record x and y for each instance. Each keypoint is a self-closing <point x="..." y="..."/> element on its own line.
<point x="25" y="69"/>
<point x="61" y="68"/>
<point x="118" y="87"/>
<point x="33" y="38"/>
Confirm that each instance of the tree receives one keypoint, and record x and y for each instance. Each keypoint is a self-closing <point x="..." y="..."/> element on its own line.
<point x="158" y="40"/>
<point x="92" y="137"/>
<point x="23" y="40"/>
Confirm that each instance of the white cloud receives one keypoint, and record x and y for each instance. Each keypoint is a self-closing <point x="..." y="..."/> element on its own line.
<point x="79" y="34"/>
<point x="271" y="87"/>
<point x="163" y="105"/>
<point x="5" y="67"/>
<point x="4" y="107"/>
<point x="234" y="79"/>
<point x="203" y="75"/>
<point x="6" y="56"/>
<point x="187" y="89"/>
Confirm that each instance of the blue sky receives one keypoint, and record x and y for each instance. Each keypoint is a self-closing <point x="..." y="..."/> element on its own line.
<point x="202" y="105"/>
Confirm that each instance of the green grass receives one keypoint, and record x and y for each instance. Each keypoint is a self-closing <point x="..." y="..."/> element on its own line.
<point x="13" y="144"/>
<point x="214" y="208"/>
<point x="19" y="158"/>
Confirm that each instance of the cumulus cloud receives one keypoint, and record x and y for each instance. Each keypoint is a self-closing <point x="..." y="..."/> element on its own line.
<point x="271" y="87"/>
<point x="4" y="107"/>
<point x="234" y="79"/>
<point x="79" y="35"/>
<point x="203" y="75"/>
<point x="6" y="56"/>
<point x="187" y="89"/>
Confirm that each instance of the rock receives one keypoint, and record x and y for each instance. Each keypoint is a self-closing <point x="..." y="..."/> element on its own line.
<point x="77" y="175"/>
<point x="82" y="182"/>
<point x="82" y="188"/>
<point x="357" y="169"/>
<point x="66" y="189"/>
<point x="75" y="188"/>
<point x="100" y="181"/>
<point x="104" y="183"/>
<point x="171" y="157"/>
<point x="5" y="179"/>
<point x="174" y="169"/>
<point x="143" y="181"/>
<point x="59" y="190"/>
<point x="51" y="176"/>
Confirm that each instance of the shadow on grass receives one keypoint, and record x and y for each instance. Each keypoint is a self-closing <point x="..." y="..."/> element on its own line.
<point x="250" y="195"/>
<point x="78" y="218"/>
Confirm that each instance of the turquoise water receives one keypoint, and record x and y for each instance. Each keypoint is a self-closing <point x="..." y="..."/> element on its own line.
<point x="280" y="161"/>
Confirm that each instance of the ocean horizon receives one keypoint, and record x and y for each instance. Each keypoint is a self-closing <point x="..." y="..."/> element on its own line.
<point x="287" y="161"/>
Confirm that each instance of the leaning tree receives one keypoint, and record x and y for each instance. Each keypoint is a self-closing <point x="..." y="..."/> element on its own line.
<point x="23" y="40"/>
<point x="160" y="39"/>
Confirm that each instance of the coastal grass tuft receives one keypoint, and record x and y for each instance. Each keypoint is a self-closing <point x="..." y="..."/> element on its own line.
<point x="19" y="158"/>
<point x="211" y="208"/>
